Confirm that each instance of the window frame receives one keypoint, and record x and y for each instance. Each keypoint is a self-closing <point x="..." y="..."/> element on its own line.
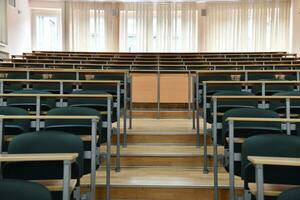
<point x="47" y="13"/>
<point x="5" y="31"/>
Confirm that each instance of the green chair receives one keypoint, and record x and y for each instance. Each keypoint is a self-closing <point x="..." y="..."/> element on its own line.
<point x="279" y="106"/>
<point x="29" y="103"/>
<point x="44" y="142"/>
<point x="247" y="129"/>
<point x="10" y="87"/>
<point x="224" y="105"/>
<point x="78" y="127"/>
<point x="54" y="87"/>
<point x="11" y="189"/>
<point x="95" y="103"/>
<point x="14" y="126"/>
<point x="271" y="145"/>
<point x="292" y="194"/>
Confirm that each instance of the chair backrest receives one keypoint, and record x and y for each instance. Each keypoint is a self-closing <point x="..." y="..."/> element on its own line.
<point x="291" y="194"/>
<point x="11" y="189"/>
<point x="248" y="129"/>
<point x="80" y="127"/>
<point x="272" y="145"/>
<point x="271" y="89"/>
<point x="100" y="104"/>
<point x="43" y="142"/>
<point x="280" y="105"/>
<point x="15" y="126"/>
<point x="225" y="104"/>
<point x="29" y="103"/>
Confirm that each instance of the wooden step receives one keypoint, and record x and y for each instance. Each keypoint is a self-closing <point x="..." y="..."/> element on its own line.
<point x="162" y="138"/>
<point x="157" y="155"/>
<point x="161" y="183"/>
<point x="153" y="114"/>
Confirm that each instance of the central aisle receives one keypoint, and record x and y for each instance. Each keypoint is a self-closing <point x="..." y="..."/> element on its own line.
<point x="161" y="162"/>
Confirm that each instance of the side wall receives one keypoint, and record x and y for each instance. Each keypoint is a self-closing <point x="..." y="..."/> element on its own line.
<point x="19" y="28"/>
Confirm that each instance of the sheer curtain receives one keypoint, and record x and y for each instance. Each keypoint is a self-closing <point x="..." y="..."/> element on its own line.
<point x="158" y="27"/>
<point x="136" y="27"/>
<point x="177" y="26"/>
<point x="3" y="22"/>
<point x="90" y="26"/>
<point x="248" y="26"/>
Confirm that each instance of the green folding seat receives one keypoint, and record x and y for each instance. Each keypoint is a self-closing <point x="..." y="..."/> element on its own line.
<point x="29" y="103"/>
<point x="247" y="129"/>
<point x="108" y="88"/>
<point x="10" y="87"/>
<point x="224" y="105"/>
<point x="14" y="126"/>
<point x="270" y="89"/>
<point x="99" y="104"/>
<point x="78" y="127"/>
<point x="44" y="142"/>
<point x="211" y="89"/>
<point x="54" y="87"/>
<point x="271" y="146"/>
<point x="12" y="189"/>
<point x="292" y="194"/>
<point x="279" y="106"/>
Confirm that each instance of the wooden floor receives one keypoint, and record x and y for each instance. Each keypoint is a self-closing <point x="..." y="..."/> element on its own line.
<point x="161" y="162"/>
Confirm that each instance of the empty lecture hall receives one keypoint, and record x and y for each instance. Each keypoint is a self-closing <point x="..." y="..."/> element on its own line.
<point x="149" y="99"/>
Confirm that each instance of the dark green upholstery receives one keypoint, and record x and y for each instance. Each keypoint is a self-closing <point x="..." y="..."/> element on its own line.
<point x="79" y="127"/>
<point x="44" y="142"/>
<point x="279" y="106"/>
<point x="54" y="87"/>
<point x="224" y="105"/>
<point x="272" y="145"/>
<point x="292" y="194"/>
<point x="100" y="104"/>
<point x="212" y="88"/>
<point x="271" y="89"/>
<point x="261" y="76"/>
<point x="248" y="129"/>
<point x="10" y="87"/>
<point x="15" y="126"/>
<point x="11" y="189"/>
<point x="29" y="103"/>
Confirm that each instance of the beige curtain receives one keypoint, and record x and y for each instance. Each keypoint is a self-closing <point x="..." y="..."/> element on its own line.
<point x="136" y="27"/>
<point x="248" y="26"/>
<point x="91" y="26"/>
<point x="159" y="27"/>
<point x="3" y="22"/>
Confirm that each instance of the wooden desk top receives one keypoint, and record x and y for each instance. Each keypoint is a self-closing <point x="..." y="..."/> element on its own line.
<point x="38" y="157"/>
<point x="281" y="161"/>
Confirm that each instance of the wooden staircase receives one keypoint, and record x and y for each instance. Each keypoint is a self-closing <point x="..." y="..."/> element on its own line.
<point x="161" y="162"/>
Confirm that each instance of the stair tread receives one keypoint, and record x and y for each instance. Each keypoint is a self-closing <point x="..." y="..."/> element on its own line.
<point x="162" y="150"/>
<point x="162" y="177"/>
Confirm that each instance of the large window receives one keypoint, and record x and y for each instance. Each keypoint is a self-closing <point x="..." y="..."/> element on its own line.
<point x="248" y="26"/>
<point x="97" y="34"/>
<point x="3" y="22"/>
<point x="46" y="30"/>
<point x="159" y="28"/>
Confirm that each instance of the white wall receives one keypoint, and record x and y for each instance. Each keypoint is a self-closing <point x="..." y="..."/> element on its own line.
<point x="296" y="27"/>
<point x="18" y="25"/>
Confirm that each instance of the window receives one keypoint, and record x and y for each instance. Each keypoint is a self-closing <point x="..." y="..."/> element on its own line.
<point x="3" y="22"/>
<point x="46" y="32"/>
<point x="97" y="34"/>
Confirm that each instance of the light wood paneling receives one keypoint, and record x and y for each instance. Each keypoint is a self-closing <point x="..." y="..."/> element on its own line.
<point x="174" y="88"/>
<point x="144" y="88"/>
